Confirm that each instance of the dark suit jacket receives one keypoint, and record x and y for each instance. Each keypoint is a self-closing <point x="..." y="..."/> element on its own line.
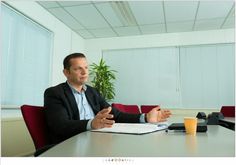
<point x="62" y="113"/>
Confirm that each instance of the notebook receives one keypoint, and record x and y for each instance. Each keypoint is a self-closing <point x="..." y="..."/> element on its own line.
<point x="133" y="128"/>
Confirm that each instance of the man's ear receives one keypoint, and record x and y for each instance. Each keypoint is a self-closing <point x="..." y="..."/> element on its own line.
<point x="66" y="72"/>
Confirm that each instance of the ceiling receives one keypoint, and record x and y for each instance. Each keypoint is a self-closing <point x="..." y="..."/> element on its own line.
<point x="101" y="19"/>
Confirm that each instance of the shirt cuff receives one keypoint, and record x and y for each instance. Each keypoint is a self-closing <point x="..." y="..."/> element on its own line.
<point x="89" y="125"/>
<point x="142" y="118"/>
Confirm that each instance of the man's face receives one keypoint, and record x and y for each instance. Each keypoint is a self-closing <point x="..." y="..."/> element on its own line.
<point x="78" y="72"/>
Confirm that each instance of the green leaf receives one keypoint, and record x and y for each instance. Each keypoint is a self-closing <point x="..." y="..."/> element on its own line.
<point x="102" y="79"/>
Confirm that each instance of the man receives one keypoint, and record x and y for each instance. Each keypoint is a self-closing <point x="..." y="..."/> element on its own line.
<point x="74" y="107"/>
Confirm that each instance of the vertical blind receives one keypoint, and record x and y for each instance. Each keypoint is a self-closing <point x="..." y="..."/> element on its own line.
<point x="145" y="76"/>
<point x="207" y="75"/>
<point x="199" y="76"/>
<point x="25" y="61"/>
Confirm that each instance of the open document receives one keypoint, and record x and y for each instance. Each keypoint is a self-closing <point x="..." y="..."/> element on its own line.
<point x="133" y="128"/>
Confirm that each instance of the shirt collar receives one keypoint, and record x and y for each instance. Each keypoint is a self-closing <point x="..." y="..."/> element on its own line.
<point x="84" y="87"/>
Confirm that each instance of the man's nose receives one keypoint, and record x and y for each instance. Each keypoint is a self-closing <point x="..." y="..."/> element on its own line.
<point x="83" y="71"/>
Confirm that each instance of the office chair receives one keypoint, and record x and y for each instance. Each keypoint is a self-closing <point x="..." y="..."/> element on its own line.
<point x="134" y="109"/>
<point x="147" y="108"/>
<point x="228" y="111"/>
<point x="35" y="121"/>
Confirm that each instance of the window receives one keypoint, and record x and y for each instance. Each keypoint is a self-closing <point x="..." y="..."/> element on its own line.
<point x="145" y="76"/>
<point x="200" y="76"/>
<point x="25" y="61"/>
<point x="207" y="75"/>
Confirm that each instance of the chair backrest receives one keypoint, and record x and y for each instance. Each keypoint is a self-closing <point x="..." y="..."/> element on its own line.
<point x="119" y="106"/>
<point x="126" y="108"/>
<point x="228" y="111"/>
<point x="147" y="108"/>
<point x="35" y="121"/>
<point x="132" y="109"/>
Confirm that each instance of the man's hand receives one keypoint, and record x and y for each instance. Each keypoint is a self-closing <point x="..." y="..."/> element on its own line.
<point x="157" y="115"/>
<point x="101" y="120"/>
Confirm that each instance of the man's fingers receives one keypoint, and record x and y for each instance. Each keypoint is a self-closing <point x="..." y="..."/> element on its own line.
<point x="103" y="118"/>
<point x="167" y="113"/>
<point x="157" y="108"/>
<point x="163" y="115"/>
<point x="108" y="116"/>
<point x="105" y="110"/>
<point x="162" y="120"/>
<point x="107" y="123"/>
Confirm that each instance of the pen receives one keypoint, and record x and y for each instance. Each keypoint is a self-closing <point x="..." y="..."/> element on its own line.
<point x="162" y="125"/>
<point x="168" y="130"/>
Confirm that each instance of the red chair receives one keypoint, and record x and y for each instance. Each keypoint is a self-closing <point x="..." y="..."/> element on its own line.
<point x="147" y="108"/>
<point x="35" y="121"/>
<point x="134" y="109"/>
<point x="118" y="106"/>
<point x="228" y="111"/>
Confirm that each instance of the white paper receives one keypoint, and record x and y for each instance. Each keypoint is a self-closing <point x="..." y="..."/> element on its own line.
<point x="133" y="128"/>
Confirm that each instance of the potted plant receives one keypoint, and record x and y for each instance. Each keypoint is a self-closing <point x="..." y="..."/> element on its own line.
<point x="102" y="79"/>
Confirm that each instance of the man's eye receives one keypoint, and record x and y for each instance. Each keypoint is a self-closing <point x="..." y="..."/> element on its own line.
<point x="77" y="69"/>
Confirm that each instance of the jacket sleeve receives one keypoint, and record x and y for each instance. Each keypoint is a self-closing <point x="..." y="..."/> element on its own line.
<point x="119" y="117"/>
<point x="60" y="122"/>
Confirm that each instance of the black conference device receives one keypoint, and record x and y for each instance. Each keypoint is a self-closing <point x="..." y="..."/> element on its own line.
<point x="201" y="115"/>
<point x="214" y="117"/>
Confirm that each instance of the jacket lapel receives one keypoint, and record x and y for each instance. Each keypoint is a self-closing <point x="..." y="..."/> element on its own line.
<point x="91" y="101"/>
<point x="71" y="100"/>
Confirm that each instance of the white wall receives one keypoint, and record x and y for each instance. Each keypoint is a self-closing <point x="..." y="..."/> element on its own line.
<point x="10" y="145"/>
<point x="94" y="47"/>
<point x="65" y="40"/>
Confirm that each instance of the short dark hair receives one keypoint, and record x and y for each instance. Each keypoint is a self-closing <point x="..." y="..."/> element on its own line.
<point x="67" y="59"/>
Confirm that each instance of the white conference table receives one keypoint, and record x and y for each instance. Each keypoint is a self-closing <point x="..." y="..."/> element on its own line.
<point x="229" y="119"/>
<point x="228" y="122"/>
<point x="216" y="142"/>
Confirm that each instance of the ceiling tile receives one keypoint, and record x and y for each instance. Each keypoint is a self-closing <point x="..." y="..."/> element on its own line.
<point x="208" y="24"/>
<point x="73" y="3"/>
<point x="180" y="26"/>
<point x="102" y="33"/>
<point x="131" y="30"/>
<point x="213" y="9"/>
<point x="109" y="14"/>
<point x="152" y="29"/>
<point x="48" y="4"/>
<point x="147" y="12"/>
<point x="66" y="18"/>
<point x="88" y="16"/>
<point x="85" y="34"/>
<point x="180" y="10"/>
<point x="96" y="19"/>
